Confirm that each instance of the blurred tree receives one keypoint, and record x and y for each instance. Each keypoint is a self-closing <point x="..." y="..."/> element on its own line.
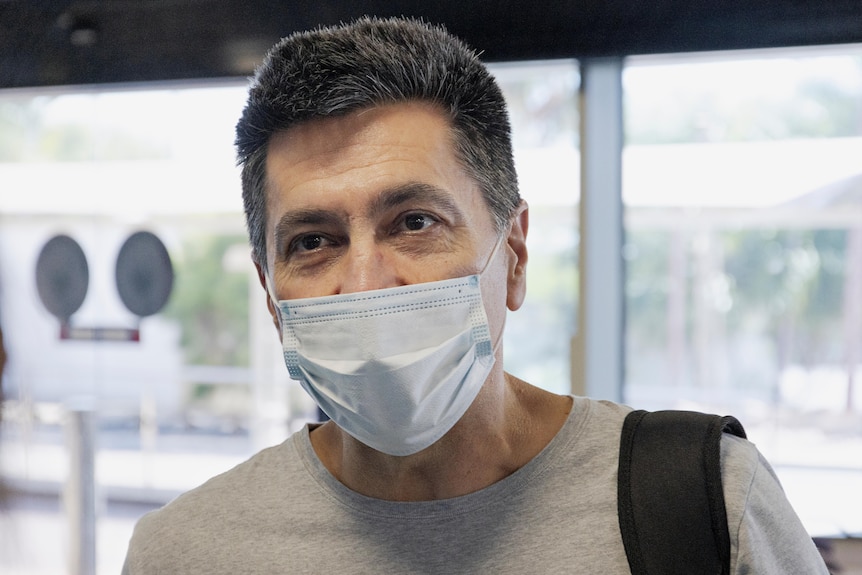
<point x="31" y="129"/>
<point x="792" y="280"/>
<point x="744" y="101"/>
<point x="210" y="302"/>
<point x="785" y="287"/>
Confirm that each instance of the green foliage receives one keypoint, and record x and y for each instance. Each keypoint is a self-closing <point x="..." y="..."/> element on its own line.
<point x="16" y="116"/>
<point x="783" y="288"/>
<point x="29" y="131"/>
<point x="541" y="108"/>
<point x="744" y="101"/>
<point x="786" y="272"/>
<point x="647" y="255"/>
<point x="210" y="303"/>
<point x="795" y="281"/>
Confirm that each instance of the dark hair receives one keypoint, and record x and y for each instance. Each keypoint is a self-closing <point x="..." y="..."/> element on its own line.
<point x="337" y="70"/>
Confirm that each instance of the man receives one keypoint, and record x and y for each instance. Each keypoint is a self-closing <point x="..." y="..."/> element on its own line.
<point x="389" y="237"/>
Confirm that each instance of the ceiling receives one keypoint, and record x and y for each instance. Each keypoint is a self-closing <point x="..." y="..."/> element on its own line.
<point x="44" y="43"/>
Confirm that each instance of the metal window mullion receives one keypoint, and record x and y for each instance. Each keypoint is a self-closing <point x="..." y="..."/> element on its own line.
<point x="597" y="369"/>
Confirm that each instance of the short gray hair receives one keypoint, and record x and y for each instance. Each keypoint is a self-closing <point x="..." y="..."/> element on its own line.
<point x="337" y="70"/>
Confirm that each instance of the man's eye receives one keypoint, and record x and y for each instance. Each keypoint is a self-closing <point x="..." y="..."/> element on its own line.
<point x="309" y="243"/>
<point x="416" y="222"/>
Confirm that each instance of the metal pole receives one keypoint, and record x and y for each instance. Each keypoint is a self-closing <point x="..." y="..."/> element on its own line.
<point x="80" y="497"/>
<point x="598" y="350"/>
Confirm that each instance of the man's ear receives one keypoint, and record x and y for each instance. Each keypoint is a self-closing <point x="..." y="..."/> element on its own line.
<point x="270" y="304"/>
<point x="517" y="264"/>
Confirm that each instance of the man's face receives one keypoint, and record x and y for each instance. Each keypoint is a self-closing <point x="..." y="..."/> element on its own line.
<point x="376" y="199"/>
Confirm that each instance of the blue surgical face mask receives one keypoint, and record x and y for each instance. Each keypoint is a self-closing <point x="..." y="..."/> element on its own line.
<point x="395" y="368"/>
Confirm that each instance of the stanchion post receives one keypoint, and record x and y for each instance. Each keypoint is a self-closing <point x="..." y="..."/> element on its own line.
<point x="80" y="497"/>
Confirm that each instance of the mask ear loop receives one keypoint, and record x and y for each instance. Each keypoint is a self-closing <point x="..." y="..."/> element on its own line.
<point x="271" y="293"/>
<point x="500" y="241"/>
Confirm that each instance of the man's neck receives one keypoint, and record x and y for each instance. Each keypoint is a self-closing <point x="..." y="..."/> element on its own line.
<point x="507" y="425"/>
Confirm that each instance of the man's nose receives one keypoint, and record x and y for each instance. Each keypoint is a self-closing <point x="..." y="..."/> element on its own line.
<point x="367" y="267"/>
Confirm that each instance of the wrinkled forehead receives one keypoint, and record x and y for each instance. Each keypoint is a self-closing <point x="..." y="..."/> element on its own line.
<point x="385" y="136"/>
<point x="406" y="146"/>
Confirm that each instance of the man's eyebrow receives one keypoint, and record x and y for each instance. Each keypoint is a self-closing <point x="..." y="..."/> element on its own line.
<point x="290" y="220"/>
<point x="388" y="199"/>
<point x="416" y="192"/>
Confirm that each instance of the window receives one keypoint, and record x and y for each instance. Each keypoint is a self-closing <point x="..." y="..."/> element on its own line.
<point x="742" y="185"/>
<point x="206" y="386"/>
<point x="542" y="101"/>
<point x="172" y="409"/>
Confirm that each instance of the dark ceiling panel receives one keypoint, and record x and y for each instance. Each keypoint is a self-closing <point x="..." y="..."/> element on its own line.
<point x="83" y="42"/>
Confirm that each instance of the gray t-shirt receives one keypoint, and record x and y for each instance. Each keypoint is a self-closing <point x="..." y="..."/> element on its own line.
<point x="283" y="512"/>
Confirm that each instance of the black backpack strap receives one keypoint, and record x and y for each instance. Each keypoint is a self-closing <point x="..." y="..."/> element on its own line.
<point x="670" y="500"/>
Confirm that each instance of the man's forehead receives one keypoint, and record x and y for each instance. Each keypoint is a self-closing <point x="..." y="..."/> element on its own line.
<point x="345" y="163"/>
<point x="417" y="134"/>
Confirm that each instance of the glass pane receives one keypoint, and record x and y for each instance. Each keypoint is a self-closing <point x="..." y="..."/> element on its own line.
<point x="171" y="409"/>
<point x="542" y="99"/>
<point x="205" y="386"/>
<point x="743" y="195"/>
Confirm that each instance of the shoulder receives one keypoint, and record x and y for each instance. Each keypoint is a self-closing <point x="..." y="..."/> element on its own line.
<point x="593" y="428"/>
<point x="201" y="499"/>
<point x="741" y="464"/>
<point x="746" y="477"/>
<point x="765" y="532"/>
<point x="164" y="536"/>
<point x="599" y="415"/>
<point x="740" y="461"/>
